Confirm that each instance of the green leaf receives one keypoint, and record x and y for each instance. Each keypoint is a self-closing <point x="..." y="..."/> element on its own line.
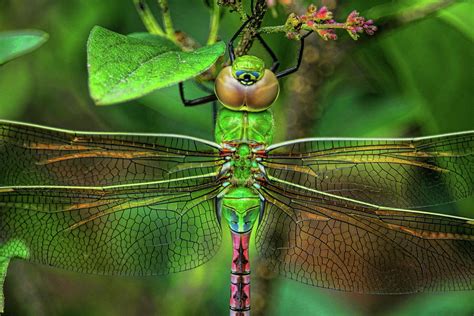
<point x="15" y="78"/>
<point x="400" y="8"/>
<point x="17" y="43"/>
<point x="459" y="16"/>
<point x="123" y="67"/>
<point x="12" y="249"/>
<point x="163" y="42"/>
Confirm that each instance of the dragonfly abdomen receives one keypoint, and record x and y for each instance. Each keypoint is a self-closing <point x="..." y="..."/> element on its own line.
<point x="240" y="207"/>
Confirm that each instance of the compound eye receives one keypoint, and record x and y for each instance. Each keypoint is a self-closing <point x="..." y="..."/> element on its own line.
<point x="263" y="93"/>
<point x="229" y="90"/>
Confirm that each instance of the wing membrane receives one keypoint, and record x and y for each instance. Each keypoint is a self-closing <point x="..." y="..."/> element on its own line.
<point x="342" y="244"/>
<point x="403" y="173"/>
<point x="35" y="155"/>
<point x="152" y="228"/>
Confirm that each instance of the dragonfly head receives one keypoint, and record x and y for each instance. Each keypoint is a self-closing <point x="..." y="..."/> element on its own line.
<point x="248" y="69"/>
<point x="247" y="85"/>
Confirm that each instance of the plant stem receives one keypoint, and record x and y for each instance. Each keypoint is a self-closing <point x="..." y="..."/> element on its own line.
<point x="282" y="28"/>
<point x="271" y="29"/>
<point x="234" y="5"/>
<point x="214" y="24"/>
<point x="147" y="18"/>
<point x="251" y="30"/>
<point x="241" y="11"/>
<point x="167" y="20"/>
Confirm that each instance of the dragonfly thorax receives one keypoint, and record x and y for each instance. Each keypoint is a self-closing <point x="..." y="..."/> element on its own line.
<point x="241" y="204"/>
<point x="241" y="126"/>
<point x="247" y="85"/>
<point x="242" y="168"/>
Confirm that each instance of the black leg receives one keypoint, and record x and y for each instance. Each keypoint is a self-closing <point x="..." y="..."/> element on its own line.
<point x="230" y="45"/>
<point x="214" y="113"/>
<point x="293" y="69"/>
<point x="203" y="87"/>
<point x="276" y="62"/>
<point x="197" y="101"/>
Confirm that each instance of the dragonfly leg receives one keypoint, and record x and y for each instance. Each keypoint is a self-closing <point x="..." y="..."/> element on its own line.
<point x="11" y="249"/>
<point x="275" y="61"/>
<point x="214" y="103"/>
<point x="197" y="101"/>
<point x="295" y="68"/>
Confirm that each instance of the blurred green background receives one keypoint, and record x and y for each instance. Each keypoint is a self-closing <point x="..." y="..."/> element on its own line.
<point x="411" y="79"/>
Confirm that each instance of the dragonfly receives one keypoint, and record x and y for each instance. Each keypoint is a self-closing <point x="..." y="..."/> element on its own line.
<point x="350" y="214"/>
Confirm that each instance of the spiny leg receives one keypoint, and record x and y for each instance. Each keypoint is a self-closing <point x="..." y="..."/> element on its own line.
<point x="198" y="101"/>
<point x="295" y="68"/>
<point x="204" y="88"/>
<point x="275" y="61"/>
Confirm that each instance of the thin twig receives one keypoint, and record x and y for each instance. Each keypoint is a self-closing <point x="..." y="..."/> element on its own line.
<point x="282" y="28"/>
<point x="234" y="5"/>
<point x="214" y="24"/>
<point x="147" y="18"/>
<point x="251" y="30"/>
<point x="167" y="20"/>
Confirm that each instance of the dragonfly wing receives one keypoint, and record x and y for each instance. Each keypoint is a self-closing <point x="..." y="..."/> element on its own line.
<point x="345" y="245"/>
<point x="35" y="155"/>
<point x="146" y="229"/>
<point x="403" y="173"/>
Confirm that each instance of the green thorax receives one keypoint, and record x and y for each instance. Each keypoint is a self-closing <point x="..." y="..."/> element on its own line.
<point x="240" y="206"/>
<point x="242" y="131"/>
<point x="242" y="126"/>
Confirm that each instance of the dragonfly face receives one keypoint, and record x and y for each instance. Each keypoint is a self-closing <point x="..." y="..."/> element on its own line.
<point x="247" y="85"/>
<point x="248" y="69"/>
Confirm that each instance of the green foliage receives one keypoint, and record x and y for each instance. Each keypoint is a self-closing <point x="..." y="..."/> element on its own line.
<point x="14" y="248"/>
<point x="460" y="17"/>
<point x="14" y="44"/>
<point x="410" y="80"/>
<point x="123" y="67"/>
<point x="17" y="80"/>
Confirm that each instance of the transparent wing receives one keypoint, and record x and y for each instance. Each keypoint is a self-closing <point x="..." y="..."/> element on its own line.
<point x="35" y="155"/>
<point x="336" y="243"/>
<point x="403" y="173"/>
<point x="144" y="229"/>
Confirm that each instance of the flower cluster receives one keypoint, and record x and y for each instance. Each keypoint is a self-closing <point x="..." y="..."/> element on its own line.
<point x="356" y="24"/>
<point x="321" y="21"/>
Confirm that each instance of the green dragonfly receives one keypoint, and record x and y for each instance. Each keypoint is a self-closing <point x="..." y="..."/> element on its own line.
<point x="346" y="214"/>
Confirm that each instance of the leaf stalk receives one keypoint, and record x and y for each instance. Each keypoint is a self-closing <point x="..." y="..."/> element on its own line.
<point x="147" y="18"/>
<point x="168" y="23"/>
